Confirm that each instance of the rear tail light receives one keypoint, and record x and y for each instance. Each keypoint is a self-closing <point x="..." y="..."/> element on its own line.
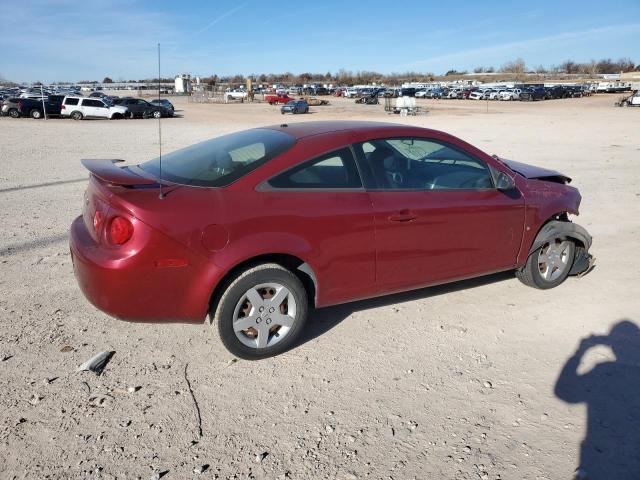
<point x="120" y="230"/>
<point x="62" y="107"/>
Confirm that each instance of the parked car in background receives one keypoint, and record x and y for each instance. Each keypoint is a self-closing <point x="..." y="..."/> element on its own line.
<point x="510" y="94"/>
<point x="295" y="106"/>
<point x="237" y="94"/>
<point x="78" y="108"/>
<point x="163" y="102"/>
<point x="140" y="108"/>
<point x="308" y="215"/>
<point x="36" y="109"/>
<point x="476" y="95"/>
<point x="278" y="98"/>
<point x="556" y="92"/>
<point x="532" y="94"/>
<point x="350" y="92"/>
<point x="632" y="100"/>
<point x="10" y="107"/>
<point x="575" y="91"/>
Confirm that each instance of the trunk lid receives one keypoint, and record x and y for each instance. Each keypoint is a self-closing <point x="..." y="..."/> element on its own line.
<point x="108" y="171"/>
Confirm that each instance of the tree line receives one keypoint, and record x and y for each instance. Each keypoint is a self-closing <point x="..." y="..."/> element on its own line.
<point x="367" y="77"/>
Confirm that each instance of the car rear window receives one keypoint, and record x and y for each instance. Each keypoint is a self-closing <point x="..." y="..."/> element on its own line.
<point x="220" y="161"/>
<point x="71" y="101"/>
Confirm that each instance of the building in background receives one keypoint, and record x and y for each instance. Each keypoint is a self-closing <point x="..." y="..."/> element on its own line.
<point x="183" y="84"/>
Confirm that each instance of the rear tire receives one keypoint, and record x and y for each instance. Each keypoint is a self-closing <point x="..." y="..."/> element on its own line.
<point x="549" y="265"/>
<point x="246" y="301"/>
<point x="35" y="114"/>
<point x="77" y="115"/>
<point x="14" y="113"/>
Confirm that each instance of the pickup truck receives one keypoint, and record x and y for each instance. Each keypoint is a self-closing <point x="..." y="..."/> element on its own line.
<point x="28" y="107"/>
<point x="278" y="98"/>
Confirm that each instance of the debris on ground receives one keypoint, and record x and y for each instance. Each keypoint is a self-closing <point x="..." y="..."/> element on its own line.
<point x="96" y="363"/>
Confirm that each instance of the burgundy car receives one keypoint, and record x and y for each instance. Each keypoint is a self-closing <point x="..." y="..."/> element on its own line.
<point x="256" y="227"/>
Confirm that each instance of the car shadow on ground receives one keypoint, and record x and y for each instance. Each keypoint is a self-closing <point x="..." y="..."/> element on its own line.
<point x="45" y="184"/>
<point x="611" y="392"/>
<point x="41" y="242"/>
<point x="324" y="319"/>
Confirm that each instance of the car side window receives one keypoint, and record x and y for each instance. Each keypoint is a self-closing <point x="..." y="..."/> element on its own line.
<point x="421" y="164"/>
<point x="333" y="170"/>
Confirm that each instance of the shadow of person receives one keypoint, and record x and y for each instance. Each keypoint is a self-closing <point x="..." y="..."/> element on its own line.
<point x="611" y="390"/>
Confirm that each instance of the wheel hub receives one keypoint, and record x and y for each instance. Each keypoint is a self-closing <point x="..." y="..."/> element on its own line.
<point x="553" y="259"/>
<point x="264" y="315"/>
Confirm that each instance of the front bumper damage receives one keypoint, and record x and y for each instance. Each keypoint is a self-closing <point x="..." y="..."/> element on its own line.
<point x="583" y="263"/>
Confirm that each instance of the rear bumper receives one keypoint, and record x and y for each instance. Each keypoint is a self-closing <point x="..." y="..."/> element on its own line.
<point x="133" y="288"/>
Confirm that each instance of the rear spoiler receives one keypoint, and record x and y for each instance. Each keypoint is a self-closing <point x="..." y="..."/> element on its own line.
<point x="108" y="171"/>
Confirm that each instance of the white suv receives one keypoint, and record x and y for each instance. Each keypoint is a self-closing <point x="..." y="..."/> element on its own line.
<point x="350" y="92"/>
<point x="510" y="94"/>
<point x="85" y="107"/>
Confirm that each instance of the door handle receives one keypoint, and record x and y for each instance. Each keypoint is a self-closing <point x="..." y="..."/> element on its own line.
<point x="403" y="216"/>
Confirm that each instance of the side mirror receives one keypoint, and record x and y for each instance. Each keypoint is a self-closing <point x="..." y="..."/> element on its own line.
<point x="504" y="182"/>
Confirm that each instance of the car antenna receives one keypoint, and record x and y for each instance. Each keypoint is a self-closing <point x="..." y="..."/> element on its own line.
<point x="161" y="196"/>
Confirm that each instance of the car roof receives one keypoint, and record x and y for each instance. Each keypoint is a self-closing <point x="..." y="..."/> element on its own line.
<point x="307" y="129"/>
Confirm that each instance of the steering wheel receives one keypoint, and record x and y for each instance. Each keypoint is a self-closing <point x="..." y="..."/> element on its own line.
<point x="395" y="179"/>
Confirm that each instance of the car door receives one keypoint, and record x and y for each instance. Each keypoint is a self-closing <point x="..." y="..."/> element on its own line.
<point x="132" y="106"/>
<point x="91" y="107"/>
<point x="102" y="109"/>
<point x="143" y="106"/>
<point x="323" y="202"/>
<point x="438" y="216"/>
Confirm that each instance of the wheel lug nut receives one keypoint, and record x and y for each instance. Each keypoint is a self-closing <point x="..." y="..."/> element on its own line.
<point x="271" y="310"/>
<point x="268" y="321"/>
<point x="258" y="320"/>
<point x="261" y="309"/>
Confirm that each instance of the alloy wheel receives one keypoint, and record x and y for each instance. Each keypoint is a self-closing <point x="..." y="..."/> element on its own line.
<point x="264" y="315"/>
<point x="553" y="259"/>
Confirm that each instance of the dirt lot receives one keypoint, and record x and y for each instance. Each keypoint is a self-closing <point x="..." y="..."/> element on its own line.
<point x="453" y="382"/>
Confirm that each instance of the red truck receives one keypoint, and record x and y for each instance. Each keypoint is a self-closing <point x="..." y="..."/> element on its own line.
<point x="275" y="99"/>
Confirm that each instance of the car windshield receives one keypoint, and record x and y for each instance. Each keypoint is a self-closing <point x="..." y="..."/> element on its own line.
<point x="220" y="161"/>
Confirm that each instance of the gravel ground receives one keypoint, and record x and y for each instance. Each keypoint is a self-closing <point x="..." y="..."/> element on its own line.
<point x="452" y="382"/>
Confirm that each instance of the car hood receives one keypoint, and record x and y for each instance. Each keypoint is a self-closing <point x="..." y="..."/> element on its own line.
<point x="533" y="172"/>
